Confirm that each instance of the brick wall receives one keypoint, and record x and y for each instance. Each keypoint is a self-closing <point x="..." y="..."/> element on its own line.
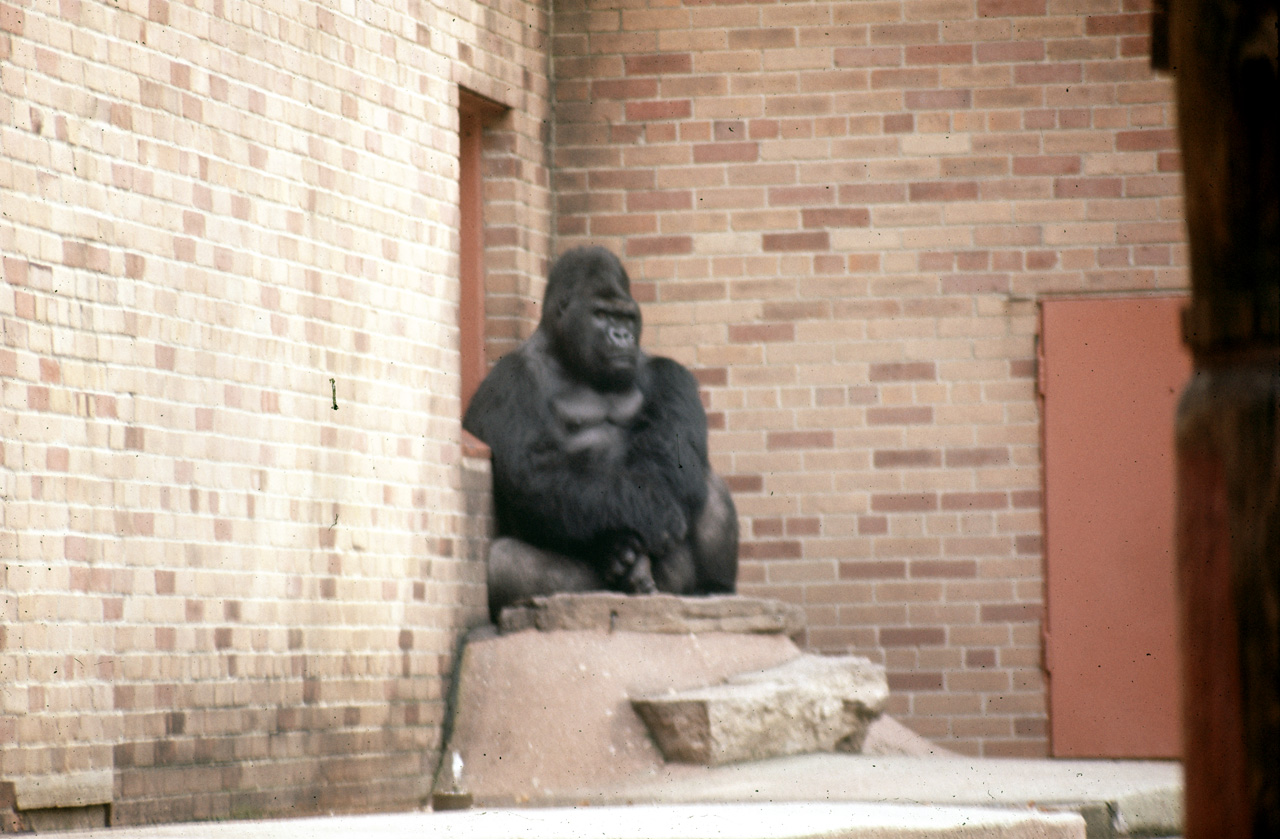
<point x="841" y="216"/>
<point x="238" y="536"/>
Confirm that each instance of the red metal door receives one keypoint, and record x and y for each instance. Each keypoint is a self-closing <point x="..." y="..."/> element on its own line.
<point x="1111" y="372"/>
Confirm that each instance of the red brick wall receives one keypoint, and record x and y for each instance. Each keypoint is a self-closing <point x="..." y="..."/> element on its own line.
<point x="238" y="537"/>
<point x="841" y="216"/>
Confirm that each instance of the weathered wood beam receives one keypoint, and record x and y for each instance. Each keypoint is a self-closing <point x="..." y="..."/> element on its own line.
<point x="1223" y="54"/>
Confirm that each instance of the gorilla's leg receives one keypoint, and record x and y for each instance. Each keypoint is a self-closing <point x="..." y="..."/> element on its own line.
<point x="707" y="563"/>
<point x="715" y="540"/>
<point x="518" y="571"/>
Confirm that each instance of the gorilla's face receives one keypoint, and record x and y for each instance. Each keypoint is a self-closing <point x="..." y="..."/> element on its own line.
<point x="598" y="338"/>
<point x="593" y="321"/>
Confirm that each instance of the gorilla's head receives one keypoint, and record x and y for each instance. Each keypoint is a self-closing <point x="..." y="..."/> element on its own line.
<point x="591" y="318"/>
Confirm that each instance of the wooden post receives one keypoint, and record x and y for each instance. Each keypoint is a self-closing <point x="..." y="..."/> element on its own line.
<point x="1223" y="54"/>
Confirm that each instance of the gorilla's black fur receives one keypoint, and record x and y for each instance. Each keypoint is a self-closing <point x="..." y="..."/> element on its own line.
<point x="600" y="473"/>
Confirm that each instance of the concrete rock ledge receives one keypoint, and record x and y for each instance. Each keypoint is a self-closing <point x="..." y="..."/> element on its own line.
<point x="541" y="716"/>
<point x="809" y="704"/>
<point x="658" y="613"/>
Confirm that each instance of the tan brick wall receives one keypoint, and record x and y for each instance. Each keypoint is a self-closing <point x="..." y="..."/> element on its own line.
<point x="238" y="536"/>
<point x="841" y="215"/>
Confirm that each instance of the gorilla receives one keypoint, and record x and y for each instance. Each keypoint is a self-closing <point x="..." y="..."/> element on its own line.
<point x="600" y="472"/>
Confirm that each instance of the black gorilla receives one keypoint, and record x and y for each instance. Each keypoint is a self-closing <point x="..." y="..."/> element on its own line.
<point x="600" y="473"/>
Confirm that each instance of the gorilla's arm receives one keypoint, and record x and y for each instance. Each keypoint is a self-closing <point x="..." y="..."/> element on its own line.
<point x="546" y="496"/>
<point x="669" y="446"/>
<point x="497" y="411"/>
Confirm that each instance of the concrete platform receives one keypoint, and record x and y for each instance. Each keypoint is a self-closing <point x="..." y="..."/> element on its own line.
<point x="1117" y="798"/>
<point x="723" y="821"/>
<point x="829" y="796"/>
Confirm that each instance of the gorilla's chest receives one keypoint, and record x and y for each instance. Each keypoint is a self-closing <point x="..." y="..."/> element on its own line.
<point x="594" y="425"/>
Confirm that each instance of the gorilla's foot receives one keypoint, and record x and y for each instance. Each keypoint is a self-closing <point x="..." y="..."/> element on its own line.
<point x="632" y="572"/>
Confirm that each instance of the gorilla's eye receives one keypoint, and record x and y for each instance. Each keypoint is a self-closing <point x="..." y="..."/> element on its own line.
<point x="611" y="320"/>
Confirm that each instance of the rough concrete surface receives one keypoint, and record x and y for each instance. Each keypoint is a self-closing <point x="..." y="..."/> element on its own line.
<point x="731" y="821"/>
<point x="540" y="715"/>
<point x="809" y="704"/>
<point x="1117" y="798"/>
<point x="887" y="736"/>
<point x="1149" y="810"/>
<point x="1125" y="785"/>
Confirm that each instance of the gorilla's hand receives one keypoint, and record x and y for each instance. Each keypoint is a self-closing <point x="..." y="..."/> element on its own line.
<point x="674" y="532"/>
<point x="628" y="567"/>
<point x="640" y="579"/>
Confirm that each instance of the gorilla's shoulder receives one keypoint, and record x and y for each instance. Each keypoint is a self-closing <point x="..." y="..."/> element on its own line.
<point x="668" y="371"/>
<point x="669" y="383"/>
<point x="528" y="365"/>
<point x="502" y="395"/>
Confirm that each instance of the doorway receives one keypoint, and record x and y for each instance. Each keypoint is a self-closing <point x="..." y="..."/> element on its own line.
<point x="1111" y="372"/>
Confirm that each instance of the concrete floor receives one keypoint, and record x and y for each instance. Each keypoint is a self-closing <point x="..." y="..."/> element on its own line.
<point x="717" y="821"/>
<point x="825" y="796"/>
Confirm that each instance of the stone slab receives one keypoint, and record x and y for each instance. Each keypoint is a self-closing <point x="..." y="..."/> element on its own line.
<point x="1149" y="811"/>
<point x="809" y="704"/>
<point x="660" y="613"/>
<point x="732" y="821"/>
<point x="1140" y="798"/>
